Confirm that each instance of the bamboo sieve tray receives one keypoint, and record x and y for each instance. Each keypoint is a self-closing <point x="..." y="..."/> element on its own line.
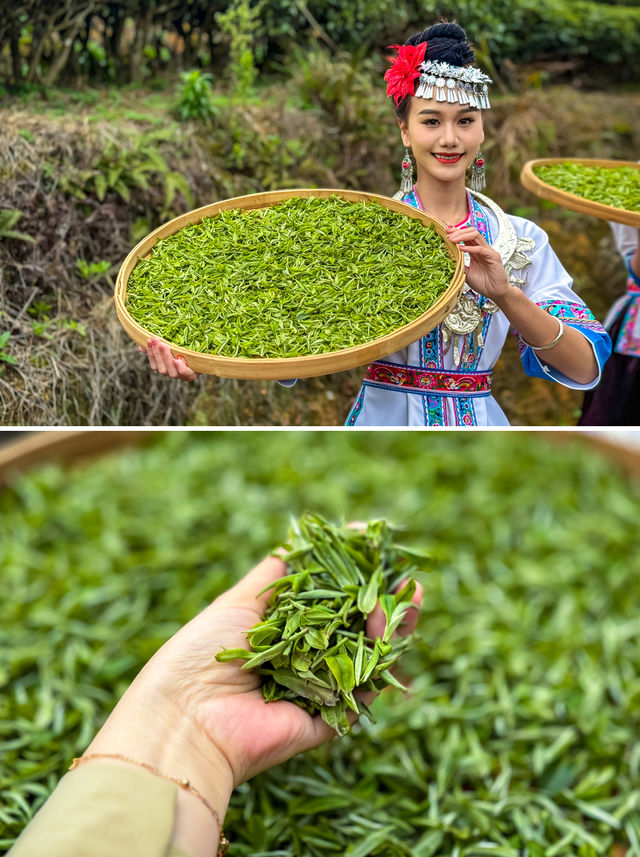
<point x="571" y="200"/>
<point x="292" y="367"/>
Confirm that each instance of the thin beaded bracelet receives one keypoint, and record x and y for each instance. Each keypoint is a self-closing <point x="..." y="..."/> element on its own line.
<point x="183" y="783"/>
<point x="551" y="344"/>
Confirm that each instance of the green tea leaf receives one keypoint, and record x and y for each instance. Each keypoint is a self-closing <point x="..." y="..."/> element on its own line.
<point x="341" y="667"/>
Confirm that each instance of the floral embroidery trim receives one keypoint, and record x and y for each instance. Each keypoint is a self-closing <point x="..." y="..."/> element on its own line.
<point x="628" y="341"/>
<point x="355" y="410"/>
<point x="465" y="412"/>
<point x="434" y="412"/>
<point x="432" y="342"/>
<point x="413" y="379"/>
<point x="573" y="313"/>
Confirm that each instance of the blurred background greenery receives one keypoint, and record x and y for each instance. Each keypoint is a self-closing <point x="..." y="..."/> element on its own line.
<point x="519" y="737"/>
<point x="115" y="117"/>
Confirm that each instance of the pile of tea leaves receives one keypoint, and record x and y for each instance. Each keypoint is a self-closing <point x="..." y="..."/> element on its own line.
<point x="312" y="647"/>
<point x="520" y="733"/>
<point x="615" y="186"/>
<point x="304" y="277"/>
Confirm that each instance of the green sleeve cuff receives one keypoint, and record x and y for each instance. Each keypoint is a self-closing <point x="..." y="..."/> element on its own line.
<point x="104" y="810"/>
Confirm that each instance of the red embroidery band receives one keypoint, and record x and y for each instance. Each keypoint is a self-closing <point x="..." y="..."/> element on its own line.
<point x="441" y="382"/>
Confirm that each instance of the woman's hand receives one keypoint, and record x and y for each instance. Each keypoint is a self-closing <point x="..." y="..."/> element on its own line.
<point x="224" y="701"/>
<point x="189" y="714"/>
<point x="485" y="274"/>
<point x="162" y="360"/>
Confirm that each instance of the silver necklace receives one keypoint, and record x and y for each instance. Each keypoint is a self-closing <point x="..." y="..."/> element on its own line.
<point x="462" y="328"/>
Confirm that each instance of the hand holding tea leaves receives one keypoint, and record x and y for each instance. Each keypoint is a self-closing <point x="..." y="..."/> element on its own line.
<point x="322" y="637"/>
<point x="188" y="713"/>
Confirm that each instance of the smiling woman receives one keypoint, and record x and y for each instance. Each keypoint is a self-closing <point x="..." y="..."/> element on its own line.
<point x="513" y="277"/>
<point x="514" y="280"/>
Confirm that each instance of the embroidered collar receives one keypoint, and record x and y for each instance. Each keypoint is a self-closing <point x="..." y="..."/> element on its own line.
<point x="414" y="200"/>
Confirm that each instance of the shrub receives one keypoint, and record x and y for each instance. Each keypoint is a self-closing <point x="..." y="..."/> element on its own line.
<point x="196" y="97"/>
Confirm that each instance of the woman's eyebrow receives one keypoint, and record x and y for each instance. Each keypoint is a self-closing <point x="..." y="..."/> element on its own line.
<point x="460" y="112"/>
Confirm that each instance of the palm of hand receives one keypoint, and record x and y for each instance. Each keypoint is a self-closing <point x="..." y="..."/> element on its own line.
<point x="225" y="702"/>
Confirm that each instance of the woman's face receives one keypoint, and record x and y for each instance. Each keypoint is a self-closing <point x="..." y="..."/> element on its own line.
<point x="435" y="128"/>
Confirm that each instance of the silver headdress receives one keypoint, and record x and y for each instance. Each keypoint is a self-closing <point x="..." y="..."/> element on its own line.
<point x="453" y="83"/>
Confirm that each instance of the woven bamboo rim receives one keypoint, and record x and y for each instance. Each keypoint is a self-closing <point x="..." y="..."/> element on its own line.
<point x="292" y="367"/>
<point x="571" y="200"/>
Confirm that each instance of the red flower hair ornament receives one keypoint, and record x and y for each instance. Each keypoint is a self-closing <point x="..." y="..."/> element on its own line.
<point x="405" y="70"/>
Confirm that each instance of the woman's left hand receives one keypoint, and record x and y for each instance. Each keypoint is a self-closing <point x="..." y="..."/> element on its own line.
<point x="485" y="274"/>
<point x="213" y="715"/>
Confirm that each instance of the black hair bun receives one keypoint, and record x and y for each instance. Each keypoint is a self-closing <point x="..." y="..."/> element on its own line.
<point x="446" y="42"/>
<point x="445" y="30"/>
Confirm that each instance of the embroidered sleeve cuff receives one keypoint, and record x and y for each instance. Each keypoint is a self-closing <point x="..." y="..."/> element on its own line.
<point x="578" y="316"/>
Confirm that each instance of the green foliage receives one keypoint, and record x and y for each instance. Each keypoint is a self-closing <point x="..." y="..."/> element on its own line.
<point x="600" y="38"/>
<point x="520" y="729"/>
<point x="92" y="269"/>
<point x="347" y="94"/>
<point x="241" y="26"/>
<point x="196" y="97"/>
<point x="40" y="307"/>
<point x="344" y="88"/>
<point x="42" y="327"/>
<point x="42" y="324"/>
<point x="126" y="170"/>
<point x="8" y="219"/>
<point x="72" y="325"/>
<point x="5" y="356"/>
<point x="603" y="39"/>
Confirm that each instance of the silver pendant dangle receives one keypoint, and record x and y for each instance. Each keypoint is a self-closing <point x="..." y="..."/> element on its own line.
<point x="478" y="181"/>
<point x="406" y="179"/>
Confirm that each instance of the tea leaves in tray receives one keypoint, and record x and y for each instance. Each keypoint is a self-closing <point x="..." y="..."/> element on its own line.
<point x="311" y="646"/>
<point x="307" y="276"/>
<point x="520" y="733"/>
<point x="615" y="186"/>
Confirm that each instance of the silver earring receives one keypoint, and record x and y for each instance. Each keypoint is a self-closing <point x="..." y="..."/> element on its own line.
<point x="406" y="179"/>
<point x="478" y="181"/>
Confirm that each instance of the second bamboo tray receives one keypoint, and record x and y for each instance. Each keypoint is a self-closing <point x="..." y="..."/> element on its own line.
<point x="570" y="200"/>
<point x="292" y="367"/>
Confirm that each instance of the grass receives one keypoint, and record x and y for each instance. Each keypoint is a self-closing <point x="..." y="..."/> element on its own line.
<point x="139" y="102"/>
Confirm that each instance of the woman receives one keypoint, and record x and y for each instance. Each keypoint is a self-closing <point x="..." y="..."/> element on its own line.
<point x="616" y="402"/>
<point x="513" y="277"/>
<point x="157" y="778"/>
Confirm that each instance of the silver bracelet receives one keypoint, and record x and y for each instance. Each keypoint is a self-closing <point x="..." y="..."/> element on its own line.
<point x="551" y="344"/>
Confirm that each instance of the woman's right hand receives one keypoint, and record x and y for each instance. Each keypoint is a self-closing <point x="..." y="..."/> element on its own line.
<point x="162" y="361"/>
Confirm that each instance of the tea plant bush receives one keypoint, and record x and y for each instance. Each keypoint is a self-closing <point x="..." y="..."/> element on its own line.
<point x="519" y="736"/>
<point x="196" y="97"/>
